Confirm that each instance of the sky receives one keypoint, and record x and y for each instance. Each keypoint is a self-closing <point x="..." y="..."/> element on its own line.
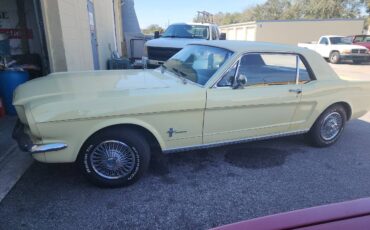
<point x="164" y="12"/>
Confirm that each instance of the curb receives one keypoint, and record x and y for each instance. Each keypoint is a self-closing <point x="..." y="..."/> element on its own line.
<point x="12" y="166"/>
<point x="7" y="153"/>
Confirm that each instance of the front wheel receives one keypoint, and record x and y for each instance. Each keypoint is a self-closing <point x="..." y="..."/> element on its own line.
<point x="328" y="127"/>
<point x="334" y="57"/>
<point x="114" y="157"/>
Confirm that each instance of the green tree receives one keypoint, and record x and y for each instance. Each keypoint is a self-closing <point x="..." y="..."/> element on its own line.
<point x="296" y="9"/>
<point x="332" y="8"/>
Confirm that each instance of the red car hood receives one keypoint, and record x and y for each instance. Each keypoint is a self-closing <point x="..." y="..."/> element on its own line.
<point x="347" y="215"/>
<point x="364" y="44"/>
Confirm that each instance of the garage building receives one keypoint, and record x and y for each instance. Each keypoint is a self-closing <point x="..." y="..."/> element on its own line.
<point x="62" y="35"/>
<point x="291" y="31"/>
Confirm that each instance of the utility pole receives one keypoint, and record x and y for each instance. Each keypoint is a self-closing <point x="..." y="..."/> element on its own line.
<point x="205" y="17"/>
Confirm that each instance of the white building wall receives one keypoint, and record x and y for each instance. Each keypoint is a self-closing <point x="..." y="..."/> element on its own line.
<point x="241" y="32"/>
<point x="53" y="35"/>
<point x="291" y="32"/>
<point x="251" y="33"/>
<point x="68" y="33"/>
<point x="105" y="29"/>
<point x="76" y="34"/>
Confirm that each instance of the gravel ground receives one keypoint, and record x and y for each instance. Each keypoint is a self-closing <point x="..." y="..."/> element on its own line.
<point x="198" y="190"/>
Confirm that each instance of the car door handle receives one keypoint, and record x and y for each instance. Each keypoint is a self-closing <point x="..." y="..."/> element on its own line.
<point x="297" y="91"/>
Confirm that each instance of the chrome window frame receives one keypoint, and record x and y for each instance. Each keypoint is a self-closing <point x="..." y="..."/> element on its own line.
<point x="299" y="57"/>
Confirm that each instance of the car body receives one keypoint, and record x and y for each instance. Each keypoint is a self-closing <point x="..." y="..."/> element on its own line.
<point x="338" y="48"/>
<point x="353" y="215"/>
<point x="176" y="37"/>
<point x="181" y="106"/>
<point x="362" y="40"/>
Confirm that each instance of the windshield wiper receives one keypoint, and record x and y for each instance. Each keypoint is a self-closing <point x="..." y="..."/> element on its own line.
<point x="174" y="36"/>
<point x="181" y="75"/>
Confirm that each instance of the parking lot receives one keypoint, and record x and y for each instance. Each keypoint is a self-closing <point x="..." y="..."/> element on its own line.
<point x="353" y="72"/>
<point x="201" y="189"/>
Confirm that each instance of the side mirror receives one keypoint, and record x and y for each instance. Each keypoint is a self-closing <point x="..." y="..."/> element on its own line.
<point x="240" y="81"/>
<point x="156" y="34"/>
<point x="223" y="36"/>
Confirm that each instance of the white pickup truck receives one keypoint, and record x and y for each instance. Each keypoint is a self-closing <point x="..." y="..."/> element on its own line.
<point x="338" y="48"/>
<point x="176" y="37"/>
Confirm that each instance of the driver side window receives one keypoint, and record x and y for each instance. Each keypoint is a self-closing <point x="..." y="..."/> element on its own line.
<point x="268" y="69"/>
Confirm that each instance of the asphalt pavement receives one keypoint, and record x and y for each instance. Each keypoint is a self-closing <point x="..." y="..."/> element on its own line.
<point x="198" y="190"/>
<point x="201" y="189"/>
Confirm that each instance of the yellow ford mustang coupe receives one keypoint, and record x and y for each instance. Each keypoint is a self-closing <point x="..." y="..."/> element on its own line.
<point x="209" y="94"/>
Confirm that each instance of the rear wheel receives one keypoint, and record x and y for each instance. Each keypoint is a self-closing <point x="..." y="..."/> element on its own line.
<point x="114" y="157"/>
<point x="328" y="127"/>
<point x="334" y="57"/>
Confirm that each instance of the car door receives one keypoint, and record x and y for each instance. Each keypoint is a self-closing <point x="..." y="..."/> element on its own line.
<point x="265" y="106"/>
<point x="323" y="48"/>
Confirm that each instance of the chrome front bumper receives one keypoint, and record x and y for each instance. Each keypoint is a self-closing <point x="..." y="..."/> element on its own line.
<point x="26" y="145"/>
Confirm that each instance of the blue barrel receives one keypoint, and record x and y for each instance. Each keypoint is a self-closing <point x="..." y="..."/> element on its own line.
<point x="9" y="80"/>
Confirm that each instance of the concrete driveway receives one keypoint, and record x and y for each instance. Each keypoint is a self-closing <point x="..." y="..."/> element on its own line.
<point x="199" y="190"/>
<point x="353" y="72"/>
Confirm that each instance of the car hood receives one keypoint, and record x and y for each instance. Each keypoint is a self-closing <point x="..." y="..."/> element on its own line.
<point x="364" y="44"/>
<point x="80" y="95"/>
<point x="80" y="83"/>
<point x="347" y="47"/>
<point x="172" y="42"/>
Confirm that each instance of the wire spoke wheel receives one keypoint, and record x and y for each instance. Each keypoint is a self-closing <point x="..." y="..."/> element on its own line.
<point x="113" y="159"/>
<point x="332" y="126"/>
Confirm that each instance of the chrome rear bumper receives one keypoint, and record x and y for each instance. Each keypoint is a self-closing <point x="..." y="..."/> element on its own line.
<point x="26" y="145"/>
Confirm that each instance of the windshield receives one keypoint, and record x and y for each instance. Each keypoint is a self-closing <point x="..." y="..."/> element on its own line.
<point x="197" y="63"/>
<point x="340" y="41"/>
<point x="362" y="38"/>
<point x="187" y="31"/>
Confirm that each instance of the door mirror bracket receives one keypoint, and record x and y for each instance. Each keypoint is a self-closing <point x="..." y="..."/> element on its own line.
<point x="240" y="81"/>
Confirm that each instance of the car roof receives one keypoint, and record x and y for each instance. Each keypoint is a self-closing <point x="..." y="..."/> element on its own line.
<point x="331" y="36"/>
<point x="192" y="24"/>
<point x="248" y="46"/>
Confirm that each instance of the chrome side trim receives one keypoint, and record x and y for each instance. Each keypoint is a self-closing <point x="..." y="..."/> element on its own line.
<point x="246" y="140"/>
<point x="46" y="148"/>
